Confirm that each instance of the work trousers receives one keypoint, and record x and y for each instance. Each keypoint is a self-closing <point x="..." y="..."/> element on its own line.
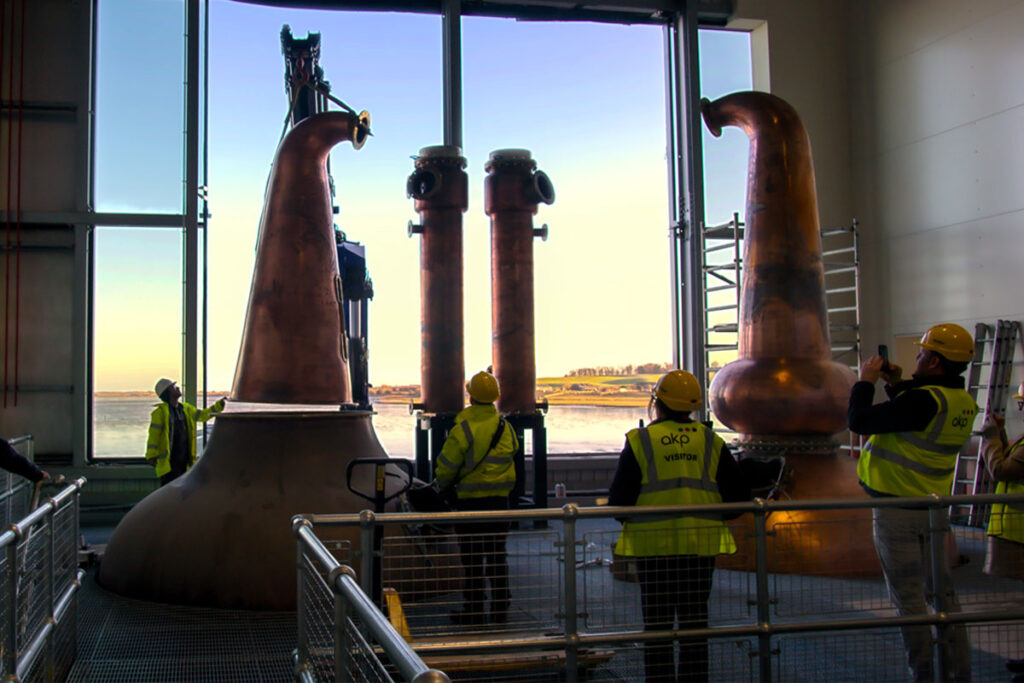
<point x="170" y="476"/>
<point x="484" y="559"/>
<point x="675" y="587"/>
<point x="903" y="541"/>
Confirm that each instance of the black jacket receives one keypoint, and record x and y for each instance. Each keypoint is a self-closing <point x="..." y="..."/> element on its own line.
<point x="905" y="411"/>
<point x="13" y="461"/>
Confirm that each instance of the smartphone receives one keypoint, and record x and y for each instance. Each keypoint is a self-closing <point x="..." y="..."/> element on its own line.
<point x="883" y="351"/>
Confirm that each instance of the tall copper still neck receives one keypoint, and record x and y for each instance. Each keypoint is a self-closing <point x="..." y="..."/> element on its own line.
<point x="784" y="381"/>
<point x="219" y="536"/>
<point x="513" y="189"/>
<point x="294" y="345"/>
<point x="440" y="189"/>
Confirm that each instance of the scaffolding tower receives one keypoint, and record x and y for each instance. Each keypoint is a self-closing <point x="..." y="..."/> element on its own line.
<point x="722" y="266"/>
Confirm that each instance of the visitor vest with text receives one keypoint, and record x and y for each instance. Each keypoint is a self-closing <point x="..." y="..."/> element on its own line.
<point x="679" y="463"/>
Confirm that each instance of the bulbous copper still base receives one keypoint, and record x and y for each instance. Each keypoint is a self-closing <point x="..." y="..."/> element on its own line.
<point x="791" y="396"/>
<point x="220" y="536"/>
<point x="813" y="542"/>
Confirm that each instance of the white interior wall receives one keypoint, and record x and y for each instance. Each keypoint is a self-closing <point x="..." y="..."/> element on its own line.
<point x="915" y="110"/>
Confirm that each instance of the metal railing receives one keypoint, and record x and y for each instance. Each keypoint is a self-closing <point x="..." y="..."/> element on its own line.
<point x="768" y="618"/>
<point x="330" y="597"/>
<point x="39" y="579"/>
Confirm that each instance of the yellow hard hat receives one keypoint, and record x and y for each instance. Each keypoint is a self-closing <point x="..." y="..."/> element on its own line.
<point x="950" y="340"/>
<point x="679" y="390"/>
<point x="1020" y="392"/>
<point x="483" y="388"/>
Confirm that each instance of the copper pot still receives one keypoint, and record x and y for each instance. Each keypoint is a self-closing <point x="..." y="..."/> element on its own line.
<point x="220" y="535"/>
<point x="784" y="382"/>
<point x="439" y="188"/>
<point x="784" y="393"/>
<point x="513" y="189"/>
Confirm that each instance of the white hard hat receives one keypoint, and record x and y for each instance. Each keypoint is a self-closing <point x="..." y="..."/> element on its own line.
<point x="162" y="386"/>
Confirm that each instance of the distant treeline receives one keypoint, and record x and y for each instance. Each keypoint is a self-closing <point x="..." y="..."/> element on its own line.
<point x="622" y="371"/>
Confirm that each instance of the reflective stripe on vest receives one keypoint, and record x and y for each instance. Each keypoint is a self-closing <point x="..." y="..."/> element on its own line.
<point x="922" y="462"/>
<point x="471" y="449"/>
<point x="491" y="473"/>
<point x="903" y="461"/>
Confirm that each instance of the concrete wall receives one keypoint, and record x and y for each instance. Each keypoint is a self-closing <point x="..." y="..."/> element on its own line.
<point x="915" y="110"/>
<point x="47" y="127"/>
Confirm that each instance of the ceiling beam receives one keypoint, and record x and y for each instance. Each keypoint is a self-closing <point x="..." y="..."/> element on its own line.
<point x="709" y="12"/>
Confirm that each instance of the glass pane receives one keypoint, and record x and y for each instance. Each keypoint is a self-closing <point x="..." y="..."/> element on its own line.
<point x="588" y="100"/>
<point x="139" y="106"/>
<point x="137" y="332"/>
<point x="724" y="68"/>
<point x="386" y="63"/>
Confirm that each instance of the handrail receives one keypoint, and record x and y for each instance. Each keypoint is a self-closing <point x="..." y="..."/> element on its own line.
<point x="573" y="640"/>
<point x="19" y="439"/>
<point x="571" y="510"/>
<point x="23" y="648"/>
<point x="340" y="578"/>
<point x="25" y="523"/>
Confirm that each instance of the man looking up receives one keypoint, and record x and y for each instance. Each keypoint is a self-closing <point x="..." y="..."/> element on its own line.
<point x="171" y="446"/>
<point x="912" y="450"/>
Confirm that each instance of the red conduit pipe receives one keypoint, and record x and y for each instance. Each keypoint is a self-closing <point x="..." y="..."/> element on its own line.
<point x="7" y="207"/>
<point x="17" y="252"/>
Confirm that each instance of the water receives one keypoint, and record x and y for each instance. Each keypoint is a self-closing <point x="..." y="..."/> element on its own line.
<point x="121" y="424"/>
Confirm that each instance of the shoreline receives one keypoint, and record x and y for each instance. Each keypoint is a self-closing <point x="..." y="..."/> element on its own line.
<point x="597" y="401"/>
<point x="594" y="401"/>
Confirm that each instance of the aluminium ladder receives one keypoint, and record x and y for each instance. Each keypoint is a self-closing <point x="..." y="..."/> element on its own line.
<point x="994" y="348"/>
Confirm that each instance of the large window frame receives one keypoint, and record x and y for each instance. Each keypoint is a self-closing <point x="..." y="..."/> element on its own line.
<point x="680" y="21"/>
<point x="189" y="222"/>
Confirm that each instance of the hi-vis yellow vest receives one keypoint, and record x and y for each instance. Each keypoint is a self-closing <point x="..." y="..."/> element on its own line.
<point x="462" y="459"/>
<point x="923" y="462"/>
<point x="1007" y="519"/>
<point x="679" y="462"/>
<point x="158" y="442"/>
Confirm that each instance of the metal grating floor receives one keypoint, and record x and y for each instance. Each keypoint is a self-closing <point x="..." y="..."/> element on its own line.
<point x="128" y="641"/>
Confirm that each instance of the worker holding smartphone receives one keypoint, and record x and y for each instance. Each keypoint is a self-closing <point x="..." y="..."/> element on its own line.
<point x="889" y="372"/>
<point x="914" y="438"/>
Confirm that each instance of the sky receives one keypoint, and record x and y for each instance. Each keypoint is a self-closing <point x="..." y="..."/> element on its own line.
<point x="586" y="99"/>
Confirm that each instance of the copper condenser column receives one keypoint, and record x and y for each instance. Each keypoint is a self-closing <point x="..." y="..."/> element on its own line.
<point x="785" y="394"/>
<point x="512" y="190"/>
<point x="440" y="189"/>
<point x="219" y="536"/>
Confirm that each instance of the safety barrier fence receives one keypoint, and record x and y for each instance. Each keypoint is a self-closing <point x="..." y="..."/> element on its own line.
<point x="575" y="613"/>
<point x="15" y="491"/>
<point x="39" y="580"/>
<point x="331" y="604"/>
